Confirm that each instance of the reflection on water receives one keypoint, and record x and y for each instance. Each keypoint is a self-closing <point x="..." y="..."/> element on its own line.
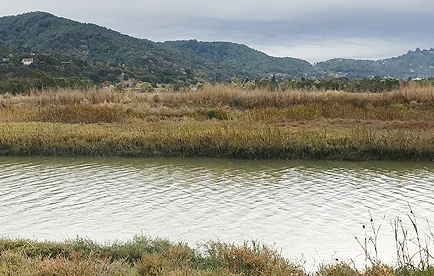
<point x="303" y="207"/>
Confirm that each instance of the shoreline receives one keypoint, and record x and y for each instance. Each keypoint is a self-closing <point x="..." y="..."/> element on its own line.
<point x="146" y="256"/>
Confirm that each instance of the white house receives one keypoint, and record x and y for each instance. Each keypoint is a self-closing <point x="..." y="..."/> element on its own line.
<point x="27" y="61"/>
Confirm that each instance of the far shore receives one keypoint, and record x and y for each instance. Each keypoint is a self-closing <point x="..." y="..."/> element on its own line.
<point x="221" y="121"/>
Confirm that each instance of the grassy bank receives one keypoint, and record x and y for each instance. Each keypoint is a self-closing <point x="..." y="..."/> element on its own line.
<point x="140" y="256"/>
<point x="144" y="256"/>
<point x="222" y="121"/>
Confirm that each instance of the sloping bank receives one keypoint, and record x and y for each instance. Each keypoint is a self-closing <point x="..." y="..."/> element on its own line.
<point x="212" y="138"/>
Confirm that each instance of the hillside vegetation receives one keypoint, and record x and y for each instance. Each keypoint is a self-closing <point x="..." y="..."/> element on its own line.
<point x="245" y="61"/>
<point x="106" y="55"/>
<point x="165" y="63"/>
<point x="414" y="64"/>
<point x="60" y="66"/>
<point x="44" y="33"/>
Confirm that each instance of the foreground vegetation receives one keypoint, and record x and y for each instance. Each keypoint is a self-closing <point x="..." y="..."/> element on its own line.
<point x="222" y="121"/>
<point x="142" y="256"/>
<point x="146" y="256"/>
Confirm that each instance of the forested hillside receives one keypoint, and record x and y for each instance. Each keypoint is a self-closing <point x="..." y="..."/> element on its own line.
<point x="166" y="63"/>
<point x="414" y="64"/>
<point x="64" y="48"/>
<point x="45" y="33"/>
<point x="248" y="61"/>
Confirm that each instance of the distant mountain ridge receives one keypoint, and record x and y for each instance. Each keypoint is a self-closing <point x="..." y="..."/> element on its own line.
<point x="104" y="52"/>
<point x="413" y="64"/>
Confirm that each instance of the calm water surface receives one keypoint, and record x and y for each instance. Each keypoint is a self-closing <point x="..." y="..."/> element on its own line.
<point x="305" y="208"/>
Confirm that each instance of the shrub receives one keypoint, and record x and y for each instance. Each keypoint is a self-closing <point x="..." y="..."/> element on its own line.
<point x="218" y="114"/>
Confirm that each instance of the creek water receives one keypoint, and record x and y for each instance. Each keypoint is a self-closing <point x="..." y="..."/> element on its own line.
<point x="306" y="209"/>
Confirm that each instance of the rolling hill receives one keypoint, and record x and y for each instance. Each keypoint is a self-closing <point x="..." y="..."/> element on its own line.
<point x="248" y="61"/>
<point x="42" y="32"/>
<point x="102" y="55"/>
<point x="413" y="64"/>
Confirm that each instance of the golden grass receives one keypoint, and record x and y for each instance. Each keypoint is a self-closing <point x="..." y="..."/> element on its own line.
<point x="219" y="139"/>
<point x="222" y="121"/>
<point x="220" y="95"/>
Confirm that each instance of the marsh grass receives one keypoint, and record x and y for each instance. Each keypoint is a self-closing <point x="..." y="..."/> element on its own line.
<point x="409" y="103"/>
<point x="18" y="264"/>
<point x="141" y="256"/>
<point x="224" y="95"/>
<point x="413" y="246"/>
<point x="145" y="256"/>
<point x="213" y="138"/>
<point x="222" y="121"/>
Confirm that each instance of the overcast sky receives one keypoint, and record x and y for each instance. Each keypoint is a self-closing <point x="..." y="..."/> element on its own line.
<point x="313" y="30"/>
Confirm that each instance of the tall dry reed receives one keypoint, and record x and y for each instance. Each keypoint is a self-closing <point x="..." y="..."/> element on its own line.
<point x="222" y="95"/>
<point x="222" y="121"/>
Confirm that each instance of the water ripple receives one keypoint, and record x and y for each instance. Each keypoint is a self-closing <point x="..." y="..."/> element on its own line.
<point x="306" y="207"/>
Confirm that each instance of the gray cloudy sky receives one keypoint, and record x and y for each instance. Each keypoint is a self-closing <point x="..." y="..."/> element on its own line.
<point x="313" y="30"/>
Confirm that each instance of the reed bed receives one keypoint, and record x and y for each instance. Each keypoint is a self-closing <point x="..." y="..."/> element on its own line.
<point x="216" y="139"/>
<point x="222" y="121"/>
<point x="118" y="113"/>
<point x="220" y="95"/>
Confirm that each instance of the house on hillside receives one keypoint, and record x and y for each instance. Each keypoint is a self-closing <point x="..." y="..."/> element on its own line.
<point x="65" y="63"/>
<point x="4" y="59"/>
<point x="27" y="61"/>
